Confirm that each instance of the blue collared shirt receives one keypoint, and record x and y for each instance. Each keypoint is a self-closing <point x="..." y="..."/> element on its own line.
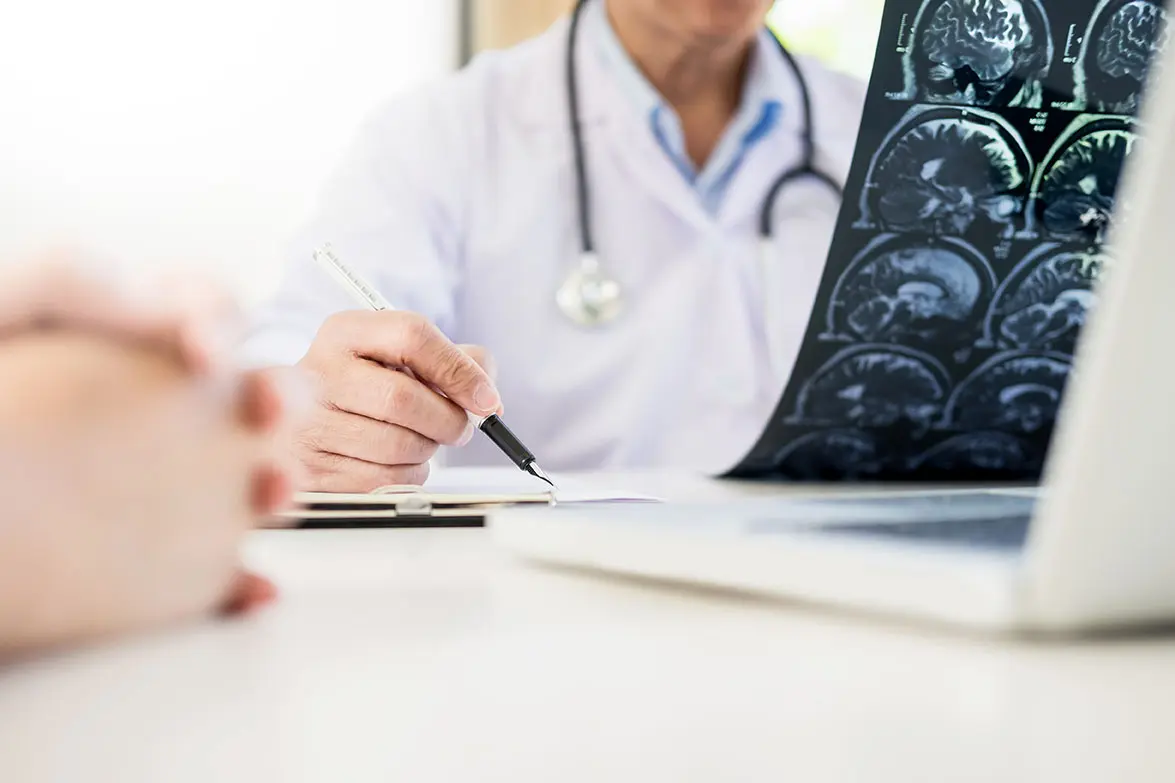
<point x="758" y="114"/>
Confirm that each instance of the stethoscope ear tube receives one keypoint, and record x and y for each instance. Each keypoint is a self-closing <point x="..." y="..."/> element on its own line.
<point x="582" y="185"/>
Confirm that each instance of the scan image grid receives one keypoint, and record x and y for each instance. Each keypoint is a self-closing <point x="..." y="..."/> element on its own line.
<point x="970" y="243"/>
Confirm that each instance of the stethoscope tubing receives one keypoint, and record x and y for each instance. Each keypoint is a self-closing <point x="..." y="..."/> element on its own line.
<point x="806" y="169"/>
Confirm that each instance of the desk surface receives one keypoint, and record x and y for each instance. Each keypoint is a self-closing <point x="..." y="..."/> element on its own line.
<point x="430" y="656"/>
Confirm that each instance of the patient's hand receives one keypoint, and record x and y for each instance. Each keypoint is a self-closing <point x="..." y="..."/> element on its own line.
<point x="132" y="458"/>
<point x="128" y="485"/>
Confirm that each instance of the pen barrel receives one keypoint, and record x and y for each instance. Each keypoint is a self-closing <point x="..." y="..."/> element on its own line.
<point x="497" y="431"/>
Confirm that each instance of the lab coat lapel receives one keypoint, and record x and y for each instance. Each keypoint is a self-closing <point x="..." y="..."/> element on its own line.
<point x="627" y="140"/>
<point x="780" y="151"/>
<point x="641" y="159"/>
<point x="748" y="190"/>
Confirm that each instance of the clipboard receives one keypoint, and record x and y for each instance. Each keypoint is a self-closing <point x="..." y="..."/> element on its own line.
<point x="402" y="506"/>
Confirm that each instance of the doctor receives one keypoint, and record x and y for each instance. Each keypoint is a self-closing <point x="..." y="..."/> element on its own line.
<point x="631" y="213"/>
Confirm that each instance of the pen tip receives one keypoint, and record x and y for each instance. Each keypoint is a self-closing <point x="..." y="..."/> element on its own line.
<point x="534" y="470"/>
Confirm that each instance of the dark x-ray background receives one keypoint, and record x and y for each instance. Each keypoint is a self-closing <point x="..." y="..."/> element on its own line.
<point x="970" y="242"/>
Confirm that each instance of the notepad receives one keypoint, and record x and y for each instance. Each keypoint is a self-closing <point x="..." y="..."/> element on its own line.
<point x="459" y="497"/>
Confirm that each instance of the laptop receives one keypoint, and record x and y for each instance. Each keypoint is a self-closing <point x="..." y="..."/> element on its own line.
<point x="1092" y="551"/>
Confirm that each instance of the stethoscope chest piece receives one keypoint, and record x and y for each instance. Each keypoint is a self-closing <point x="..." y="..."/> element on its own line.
<point x="589" y="297"/>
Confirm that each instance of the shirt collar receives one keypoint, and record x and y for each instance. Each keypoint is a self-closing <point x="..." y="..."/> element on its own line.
<point x="761" y="95"/>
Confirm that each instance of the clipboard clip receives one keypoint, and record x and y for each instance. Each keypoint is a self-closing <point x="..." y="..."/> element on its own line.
<point x="413" y="505"/>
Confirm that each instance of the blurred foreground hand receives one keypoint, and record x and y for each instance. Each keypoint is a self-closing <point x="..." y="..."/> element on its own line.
<point x="132" y="460"/>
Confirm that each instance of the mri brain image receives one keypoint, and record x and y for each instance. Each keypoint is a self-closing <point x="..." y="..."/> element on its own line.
<point x="946" y="171"/>
<point x="1018" y="393"/>
<point x="874" y="386"/>
<point x="1046" y="301"/>
<point x="1076" y="194"/>
<point x="979" y="53"/>
<point x="898" y="291"/>
<point x="989" y="453"/>
<point x="831" y="455"/>
<point x="1119" y="51"/>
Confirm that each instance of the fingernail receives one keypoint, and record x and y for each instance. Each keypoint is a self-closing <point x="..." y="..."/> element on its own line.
<point x="485" y="398"/>
<point x="467" y="435"/>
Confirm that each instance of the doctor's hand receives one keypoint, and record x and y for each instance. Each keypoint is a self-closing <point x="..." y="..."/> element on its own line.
<point x="392" y="390"/>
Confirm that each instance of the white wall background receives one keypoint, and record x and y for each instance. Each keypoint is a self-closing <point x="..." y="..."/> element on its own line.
<point x="197" y="133"/>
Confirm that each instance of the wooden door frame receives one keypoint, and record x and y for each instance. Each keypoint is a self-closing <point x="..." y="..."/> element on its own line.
<point x="467" y="28"/>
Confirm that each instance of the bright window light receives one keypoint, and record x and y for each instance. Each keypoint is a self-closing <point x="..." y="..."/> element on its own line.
<point x="842" y="33"/>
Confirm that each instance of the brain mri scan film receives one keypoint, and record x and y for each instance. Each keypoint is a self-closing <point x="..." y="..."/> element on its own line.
<point x="874" y="386"/>
<point x="943" y="171"/>
<point x="832" y="455"/>
<point x="1019" y="393"/>
<point x="996" y="454"/>
<point x="986" y="184"/>
<point x="1120" y="45"/>
<point x="1075" y="194"/>
<point x="903" y="289"/>
<point x="979" y="53"/>
<point x="1045" y="301"/>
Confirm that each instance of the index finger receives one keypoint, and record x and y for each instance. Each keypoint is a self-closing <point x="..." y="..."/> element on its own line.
<point x="399" y="339"/>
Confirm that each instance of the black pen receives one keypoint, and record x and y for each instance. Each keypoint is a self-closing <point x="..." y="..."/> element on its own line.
<point x="493" y="426"/>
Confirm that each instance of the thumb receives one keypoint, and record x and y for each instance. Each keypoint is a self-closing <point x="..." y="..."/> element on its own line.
<point x="462" y="378"/>
<point x="483" y="358"/>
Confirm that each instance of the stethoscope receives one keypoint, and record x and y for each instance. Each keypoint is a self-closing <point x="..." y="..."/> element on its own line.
<point x="592" y="297"/>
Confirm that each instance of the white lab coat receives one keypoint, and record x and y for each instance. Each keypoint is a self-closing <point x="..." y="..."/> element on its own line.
<point x="458" y="202"/>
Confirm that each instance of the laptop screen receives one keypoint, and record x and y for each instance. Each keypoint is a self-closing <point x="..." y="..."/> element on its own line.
<point x="969" y="244"/>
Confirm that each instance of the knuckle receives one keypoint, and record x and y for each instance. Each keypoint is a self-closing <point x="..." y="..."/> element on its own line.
<point x="483" y="358"/>
<point x="398" y="395"/>
<point x="417" y="331"/>
<point x="475" y="352"/>
<point x="411" y="474"/>
<point x="332" y="473"/>
<point x="337" y="374"/>
<point x="307" y="444"/>
<point x="391" y="446"/>
<point x="402" y="446"/>
<point x="335" y="324"/>
<point x="330" y="341"/>
<point x="453" y="370"/>
<point x="454" y="425"/>
<point x="479" y="354"/>
<point x="348" y="431"/>
<point x="315" y="471"/>
<point x="326" y="478"/>
<point x="320" y="382"/>
<point x="422" y="450"/>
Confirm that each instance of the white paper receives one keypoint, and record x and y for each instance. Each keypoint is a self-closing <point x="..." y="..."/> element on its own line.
<point x="508" y="480"/>
<point x="486" y="485"/>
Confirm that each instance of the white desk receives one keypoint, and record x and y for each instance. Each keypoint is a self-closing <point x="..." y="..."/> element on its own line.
<point x="429" y="656"/>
